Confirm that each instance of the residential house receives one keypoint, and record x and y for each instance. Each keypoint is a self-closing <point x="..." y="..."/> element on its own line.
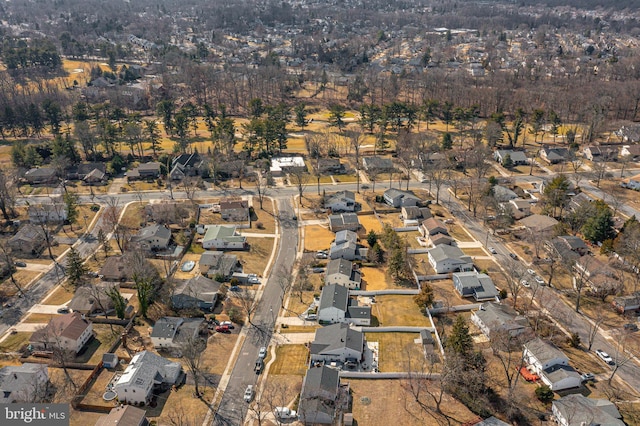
<point x="234" y="210"/>
<point x="29" y="239"/>
<point x="518" y="158"/>
<point x="186" y="165"/>
<point x="124" y="415"/>
<point x="346" y="247"/>
<point x="476" y="285"/>
<point x="321" y="395"/>
<point x="337" y="307"/>
<point x="69" y="332"/>
<point x="495" y="318"/>
<point x="628" y="303"/>
<point x="569" y="245"/>
<point x="445" y="259"/>
<point x="601" y="153"/>
<point x="578" y="410"/>
<point x="344" y="221"/>
<point x="518" y="207"/>
<point x="598" y="275"/>
<point x="342" y="201"/>
<point x="631" y="151"/>
<point x="281" y="165"/>
<point x="93" y="298"/>
<point x="41" y="175"/>
<point x="578" y="200"/>
<point x="433" y="226"/>
<point x="441" y="239"/>
<point x="537" y="223"/>
<point x="223" y="237"/>
<point x="377" y="164"/>
<point x="28" y="382"/>
<point x="330" y="166"/>
<point x="548" y="362"/>
<point x="341" y="271"/>
<point x="95" y="177"/>
<point x="399" y="198"/>
<point x="82" y="170"/>
<point x="198" y="292"/>
<point x="150" y="170"/>
<point x="413" y="213"/>
<point x="492" y="421"/>
<point x="214" y="264"/>
<point x="146" y="373"/>
<point x="54" y="211"/>
<point x="632" y="182"/>
<point x="174" y="333"/>
<point x="153" y="237"/>
<point x="115" y="268"/>
<point x="554" y="155"/>
<point x="503" y="194"/>
<point x="337" y="343"/>
<point x="629" y="134"/>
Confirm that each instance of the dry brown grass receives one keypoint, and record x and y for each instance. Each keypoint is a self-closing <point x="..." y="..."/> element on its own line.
<point x="266" y="217"/>
<point x="181" y="404"/>
<point x="59" y="296"/>
<point x="385" y="402"/>
<point x="376" y="279"/>
<point x="14" y="342"/>
<point x="39" y="318"/>
<point x="392" y="219"/>
<point x="295" y="306"/>
<point x="219" y="349"/>
<point x="474" y="251"/>
<point x="393" y="347"/>
<point x="392" y="310"/>
<point x="179" y="274"/>
<point x="443" y="290"/>
<point x="317" y="237"/>
<point x="23" y="279"/>
<point x="459" y="234"/>
<point x="290" y="359"/>
<point x="255" y="260"/>
<point x="370" y="223"/>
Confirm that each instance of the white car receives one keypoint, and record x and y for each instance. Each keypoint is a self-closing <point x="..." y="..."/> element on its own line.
<point x="531" y="272"/>
<point x="605" y="357"/>
<point x="493" y="250"/>
<point x="284" y="413"/>
<point x="539" y="280"/>
<point x="248" y="394"/>
<point x="253" y="279"/>
<point x="262" y="353"/>
<point x="525" y="283"/>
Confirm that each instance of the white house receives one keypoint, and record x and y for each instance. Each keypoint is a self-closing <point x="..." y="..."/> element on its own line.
<point x="578" y="410"/>
<point x="342" y="221"/>
<point x="445" y="259"/>
<point x="346" y="247"/>
<point x="145" y="373"/>
<point x="632" y="183"/>
<point x="399" y="198"/>
<point x="519" y="207"/>
<point x="341" y="271"/>
<point x="223" y="237"/>
<point x="69" y="332"/>
<point x="153" y="237"/>
<point x="336" y="306"/>
<point x="342" y="201"/>
<point x="280" y="165"/>
<point x="337" y="343"/>
<point x="23" y="383"/>
<point x="548" y="362"/>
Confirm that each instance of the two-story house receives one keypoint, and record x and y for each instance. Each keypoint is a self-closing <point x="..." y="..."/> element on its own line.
<point x="551" y="364"/>
<point x="69" y="332"/>
<point x="336" y="306"/>
<point x="342" y="271"/>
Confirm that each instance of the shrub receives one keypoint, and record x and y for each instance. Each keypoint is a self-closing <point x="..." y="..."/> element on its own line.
<point x="574" y="340"/>
<point x="235" y="316"/>
<point x="544" y="394"/>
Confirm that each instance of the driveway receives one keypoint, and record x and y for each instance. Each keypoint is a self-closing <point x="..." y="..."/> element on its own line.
<point x="29" y="327"/>
<point x="45" y="309"/>
<point x="37" y="267"/>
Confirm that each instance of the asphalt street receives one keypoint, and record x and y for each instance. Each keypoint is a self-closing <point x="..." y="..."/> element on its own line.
<point x="233" y="409"/>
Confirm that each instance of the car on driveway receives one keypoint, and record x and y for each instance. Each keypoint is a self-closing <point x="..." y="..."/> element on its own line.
<point x="223" y="329"/>
<point x="605" y="357"/>
<point x="539" y="280"/>
<point x="259" y="366"/>
<point x="63" y="310"/>
<point x="262" y="353"/>
<point x="234" y="288"/>
<point x="248" y="394"/>
<point x="322" y="256"/>
<point x="227" y="324"/>
<point x="20" y="264"/>
<point x="586" y="377"/>
<point x="493" y="250"/>
<point x="284" y="413"/>
<point x="317" y="270"/>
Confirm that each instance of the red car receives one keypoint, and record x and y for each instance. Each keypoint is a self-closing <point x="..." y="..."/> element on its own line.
<point x="223" y="329"/>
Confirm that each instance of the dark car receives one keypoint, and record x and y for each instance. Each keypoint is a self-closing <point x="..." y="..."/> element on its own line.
<point x="20" y="264"/>
<point x="63" y="310"/>
<point x="259" y="366"/>
<point x="513" y="256"/>
<point x="234" y="288"/>
<point x="631" y="327"/>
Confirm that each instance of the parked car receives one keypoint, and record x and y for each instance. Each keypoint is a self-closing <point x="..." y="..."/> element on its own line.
<point x="262" y="353"/>
<point x="539" y="280"/>
<point x="492" y="250"/>
<point x="513" y="256"/>
<point x="228" y="324"/>
<point x="605" y="357"/>
<point x="311" y="317"/>
<point x="284" y="413"/>
<point x="63" y="310"/>
<point x="322" y="255"/>
<point x="531" y="272"/>
<point x="234" y="288"/>
<point x="20" y="264"/>
<point x="317" y="270"/>
<point x="249" y="393"/>
<point x="253" y="279"/>
<point x="630" y="327"/>
<point x="223" y="329"/>
<point x="587" y="377"/>
<point x="448" y="221"/>
<point x="525" y="283"/>
<point x="259" y="366"/>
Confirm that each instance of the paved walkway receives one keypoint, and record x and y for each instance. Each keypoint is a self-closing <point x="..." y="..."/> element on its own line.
<point x="37" y="267"/>
<point x="294" y="338"/>
<point x="468" y="244"/>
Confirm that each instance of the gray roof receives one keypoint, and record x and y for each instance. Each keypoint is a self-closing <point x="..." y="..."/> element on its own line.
<point x="337" y="336"/>
<point x="200" y="288"/>
<point x="151" y="166"/>
<point x="575" y="243"/>
<point x="339" y="266"/>
<point x="18" y="382"/>
<point x="379" y="163"/>
<point x="153" y="231"/>
<point x="334" y="295"/>
<point x="480" y="285"/>
<point x="146" y="367"/>
<point x="500" y="316"/>
<point x="443" y="252"/>
<point x="219" y="261"/>
<point x="123" y="415"/>
<point x="516" y="156"/>
<point x="580" y="410"/>
<point x="346" y="236"/>
<point x="109" y="357"/>
<point x="538" y="222"/>
<point x="502" y="193"/>
<point x="166" y="327"/>
<point x="321" y="380"/>
<point x="559" y="372"/>
<point x="359" y="312"/>
<point x="339" y="196"/>
<point x="344" y="219"/>
<point x="29" y="233"/>
<point x="85" y="297"/>
<point x="44" y="172"/>
<point x="543" y="351"/>
<point x="395" y="192"/>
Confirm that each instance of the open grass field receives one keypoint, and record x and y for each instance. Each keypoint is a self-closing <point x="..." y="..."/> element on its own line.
<point x="474" y="251"/>
<point x="370" y="223"/>
<point x="395" y="350"/>
<point x="317" y="237"/>
<point x="255" y="260"/>
<point x="459" y="234"/>
<point x="395" y="309"/>
<point x="373" y="399"/>
<point x="376" y="279"/>
<point x="181" y="404"/>
<point x="266" y="217"/>
<point x="290" y="359"/>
